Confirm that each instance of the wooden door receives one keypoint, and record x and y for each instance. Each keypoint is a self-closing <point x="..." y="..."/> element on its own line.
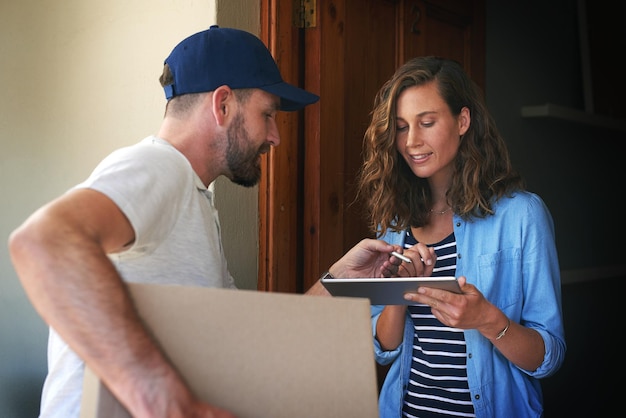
<point x="307" y="211"/>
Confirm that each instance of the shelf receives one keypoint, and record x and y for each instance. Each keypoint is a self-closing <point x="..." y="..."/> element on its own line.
<point x="550" y="110"/>
<point x="594" y="273"/>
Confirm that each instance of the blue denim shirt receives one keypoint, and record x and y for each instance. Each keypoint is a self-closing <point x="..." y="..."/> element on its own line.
<point x="511" y="258"/>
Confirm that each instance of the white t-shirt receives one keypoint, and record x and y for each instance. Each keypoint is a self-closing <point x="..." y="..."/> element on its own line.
<point x="177" y="241"/>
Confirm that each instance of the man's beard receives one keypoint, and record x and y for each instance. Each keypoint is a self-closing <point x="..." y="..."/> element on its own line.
<point x="243" y="161"/>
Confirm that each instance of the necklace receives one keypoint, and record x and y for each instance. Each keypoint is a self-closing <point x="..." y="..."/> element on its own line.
<point x="440" y="212"/>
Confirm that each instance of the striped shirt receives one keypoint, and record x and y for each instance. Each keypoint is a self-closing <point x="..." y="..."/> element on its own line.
<point x="438" y="382"/>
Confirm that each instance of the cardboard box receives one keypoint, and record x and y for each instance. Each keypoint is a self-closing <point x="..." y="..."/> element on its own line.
<point x="259" y="354"/>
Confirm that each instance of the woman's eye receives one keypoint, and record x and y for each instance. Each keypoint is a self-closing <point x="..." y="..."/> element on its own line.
<point x="401" y="128"/>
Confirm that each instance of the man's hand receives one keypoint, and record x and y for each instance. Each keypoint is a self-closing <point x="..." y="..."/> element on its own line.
<point x="369" y="258"/>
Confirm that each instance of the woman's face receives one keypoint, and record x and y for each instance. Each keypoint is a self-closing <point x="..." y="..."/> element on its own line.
<point x="427" y="134"/>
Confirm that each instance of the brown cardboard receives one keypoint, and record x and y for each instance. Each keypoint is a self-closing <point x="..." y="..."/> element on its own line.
<point x="259" y="354"/>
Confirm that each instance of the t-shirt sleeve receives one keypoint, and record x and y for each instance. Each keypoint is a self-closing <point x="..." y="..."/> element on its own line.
<point x="147" y="182"/>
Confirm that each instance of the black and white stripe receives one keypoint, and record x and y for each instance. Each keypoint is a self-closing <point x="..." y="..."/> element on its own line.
<point x="438" y="382"/>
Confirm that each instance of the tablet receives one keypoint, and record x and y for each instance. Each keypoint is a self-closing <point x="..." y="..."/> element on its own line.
<point x="387" y="291"/>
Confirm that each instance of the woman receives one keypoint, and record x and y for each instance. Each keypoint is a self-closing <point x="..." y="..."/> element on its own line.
<point x="437" y="180"/>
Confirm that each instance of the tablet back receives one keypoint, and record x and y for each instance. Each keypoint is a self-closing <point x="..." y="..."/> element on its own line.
<point x="387" y="291"/>
<point x="259" y="354"/>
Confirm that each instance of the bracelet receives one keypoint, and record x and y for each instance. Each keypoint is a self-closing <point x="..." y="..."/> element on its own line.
<point x="503" y="332"/>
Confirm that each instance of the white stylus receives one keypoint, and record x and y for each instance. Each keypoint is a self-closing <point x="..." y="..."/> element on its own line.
<point x="401" y="257"/>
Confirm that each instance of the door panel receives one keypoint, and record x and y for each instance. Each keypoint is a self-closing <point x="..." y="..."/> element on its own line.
<point x="370" y="58"/>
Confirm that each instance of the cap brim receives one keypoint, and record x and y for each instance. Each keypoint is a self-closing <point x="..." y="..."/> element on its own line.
<point x="291" y="97"/>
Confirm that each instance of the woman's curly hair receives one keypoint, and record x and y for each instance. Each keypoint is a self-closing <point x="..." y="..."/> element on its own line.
<point x="394" y="196"/>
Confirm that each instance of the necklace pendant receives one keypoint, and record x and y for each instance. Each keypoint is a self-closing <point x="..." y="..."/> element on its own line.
<point x="440" y="212"/>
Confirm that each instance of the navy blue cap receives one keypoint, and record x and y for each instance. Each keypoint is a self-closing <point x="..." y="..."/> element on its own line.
<point x="224" y="56"/>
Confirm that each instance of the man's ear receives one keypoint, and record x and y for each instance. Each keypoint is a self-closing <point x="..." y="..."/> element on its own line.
<point x="223" y="102"/>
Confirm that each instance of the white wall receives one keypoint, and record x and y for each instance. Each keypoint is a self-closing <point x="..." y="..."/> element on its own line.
<point x="79" y="78"/>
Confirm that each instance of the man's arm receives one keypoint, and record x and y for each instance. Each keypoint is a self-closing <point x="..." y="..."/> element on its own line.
<point x="60" y="256"/>
<point x="368" y="258"/>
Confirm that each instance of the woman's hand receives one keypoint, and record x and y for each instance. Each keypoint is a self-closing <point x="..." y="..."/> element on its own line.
<point x="422" y="261"/>
<point x="467" y="310"/>
<point x="521" y="345"/>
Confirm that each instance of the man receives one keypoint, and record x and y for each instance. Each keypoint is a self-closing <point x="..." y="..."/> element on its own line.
<point x="146" y="215"/>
